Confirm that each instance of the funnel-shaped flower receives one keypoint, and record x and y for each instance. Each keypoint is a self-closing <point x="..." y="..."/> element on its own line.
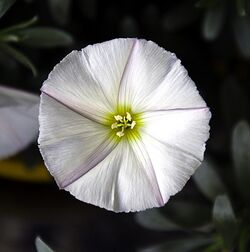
<point x="122" y="126"/>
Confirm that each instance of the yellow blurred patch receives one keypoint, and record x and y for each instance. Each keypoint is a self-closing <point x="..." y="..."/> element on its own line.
<point x="16" y="169"/>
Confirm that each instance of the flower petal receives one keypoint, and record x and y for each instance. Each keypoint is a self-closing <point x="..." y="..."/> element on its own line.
<point x="172" y="166"/>
<point x="107" y="62"/>
<point x="70" y="144"/>
<point x="144" y="173"/>
<point x="155" y="79"/>
<point x="175" y="143"/>
<point x="177" y="90"/>
<point x="19" y="120"/>
<point x="11" y="97"/>
<point x="87" y="81"/>
<point x="120" y="182"/>
<point x="183" y="129"/>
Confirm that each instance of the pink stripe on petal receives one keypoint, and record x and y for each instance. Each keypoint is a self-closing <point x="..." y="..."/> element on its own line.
<point x="172" y="166"/>
<point x="148" y="168"/>
<point x="177" y="109"/>
<point x="123" y="95"/>
<point x="101" y="152"/>
<point x="74" y="106"/>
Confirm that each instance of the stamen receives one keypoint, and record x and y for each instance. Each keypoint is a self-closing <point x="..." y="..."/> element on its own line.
<point x="129" y="117"/>
<point x="133" y="124"/>
<point x="118" y="118"/>
<point x="114" y="125"/>
<point x="119" y="134"/>
<point x="122" y="123"/>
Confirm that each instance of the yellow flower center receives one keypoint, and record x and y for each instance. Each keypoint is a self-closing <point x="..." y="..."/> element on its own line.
<point x="122" y="124"/>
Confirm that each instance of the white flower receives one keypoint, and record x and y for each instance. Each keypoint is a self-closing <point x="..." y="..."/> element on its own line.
<point x="122" y="126"/>
<point x="18" y="120"/>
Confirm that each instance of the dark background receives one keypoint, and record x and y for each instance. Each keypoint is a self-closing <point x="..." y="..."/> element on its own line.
<point x="217" y="61"/>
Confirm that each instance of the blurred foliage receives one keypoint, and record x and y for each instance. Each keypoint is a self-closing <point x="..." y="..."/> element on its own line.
<point x="24" y="35"/>
<point x="5" y="5"/>
<point x="212" y="37"/>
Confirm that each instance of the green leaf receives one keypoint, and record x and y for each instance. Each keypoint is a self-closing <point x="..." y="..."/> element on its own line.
<point x="208" y="180"/>
<point x="241" y="7"/>
<point x="189" y="244"/>
<point x="20" y="57"/>
<point x="216" y="246"/>
<point x="41" y="246"/>
<point x="155" y="220"/>
<point x="20" y="26"/>
<point x="187" y="214"/>
<point x="8" y="38"/>
<point x="5" y="5"/>
<point x="213" y="21"/>
<point x="225" y="220"/>
<point x="45" y="37"/>
<point x="241" y="156"/>
<point x="60" y="10"/>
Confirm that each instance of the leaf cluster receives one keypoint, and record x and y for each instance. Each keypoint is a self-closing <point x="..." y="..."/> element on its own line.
<point x="26" y="34"/>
